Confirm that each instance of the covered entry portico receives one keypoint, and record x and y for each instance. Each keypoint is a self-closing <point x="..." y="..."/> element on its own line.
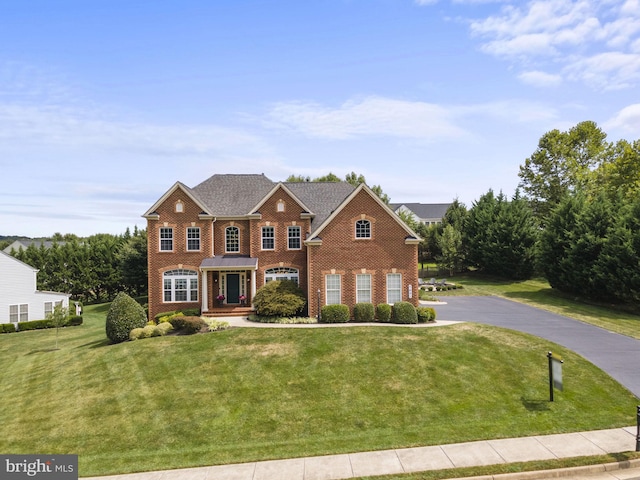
<point x="230" y="276"/>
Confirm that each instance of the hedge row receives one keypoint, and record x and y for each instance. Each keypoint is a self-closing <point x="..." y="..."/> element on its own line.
<point x="71" y="321"/>
<point x="400" y="312"/>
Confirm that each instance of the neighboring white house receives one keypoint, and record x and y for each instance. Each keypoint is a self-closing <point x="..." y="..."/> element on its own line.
<point x="425" y="213"/>
<point x="20" y="300"/>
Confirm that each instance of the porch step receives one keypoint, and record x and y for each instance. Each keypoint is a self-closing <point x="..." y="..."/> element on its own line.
<point x="229" y="311"/>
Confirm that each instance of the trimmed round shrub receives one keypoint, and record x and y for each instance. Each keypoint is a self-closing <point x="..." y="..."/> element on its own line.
<point x="164" y="328"/>
<point x="404" y="312"/>
<point x="282" y="298"/>
<point x="136" y="334"/>
<point x="188" y="325"/>
<point x="364" y="312"/>
<point x="383" y="312"/>
<point x="124" y="315"/>
<point x="334" y="314"/>
<point x="425" y="314"/>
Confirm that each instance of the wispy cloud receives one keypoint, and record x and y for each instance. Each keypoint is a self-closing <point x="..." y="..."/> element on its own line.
<point x="67" y="127"/>
<point x="596" y="42"/>
<point x="540" y="79"/>
<point x="388" y="117"/>
<point x="626" y="120"/>
<point x="365" y="117"/>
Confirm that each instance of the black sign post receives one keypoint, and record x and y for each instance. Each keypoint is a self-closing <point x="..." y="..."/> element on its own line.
<point x="555" y="374"/>
<point x="638" y="430"/>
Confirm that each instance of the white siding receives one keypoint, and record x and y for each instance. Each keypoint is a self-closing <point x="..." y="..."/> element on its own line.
<point x="18" y="286"/>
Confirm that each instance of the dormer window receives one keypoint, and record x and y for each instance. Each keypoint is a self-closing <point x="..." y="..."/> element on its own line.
<point x="363" y="229"/>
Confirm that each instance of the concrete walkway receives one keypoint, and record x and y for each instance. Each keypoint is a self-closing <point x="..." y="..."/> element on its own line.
<point x="419" y="459"/>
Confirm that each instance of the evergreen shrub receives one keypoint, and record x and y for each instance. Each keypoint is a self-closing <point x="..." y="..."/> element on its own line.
<point x="34" y="325"/>
<point x="282" y="298"/>
<point x="383" y="312"/>
<point x="124" y="315"/>
<point x="187" y="325"/>
<point x="404" y="312"/>
<point x="334" y="314"/>
<point x="7" y="328"/>
<point x="425" y="314"/>
<point x="364" y="312"/>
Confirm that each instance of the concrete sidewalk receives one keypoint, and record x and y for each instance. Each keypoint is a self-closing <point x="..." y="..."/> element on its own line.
<point x="418" y="459"/>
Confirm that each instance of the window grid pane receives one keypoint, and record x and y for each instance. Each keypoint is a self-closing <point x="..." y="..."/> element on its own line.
<point x="333" y="286"/>
<point x="394" y="287"/>
<point x="363" y="288"/>
<point x="13" y="313"/>
<point x="166" y="239"/>
<point x="363" y="229"/>
<point x="193" y="238"/>
<point x="294" y="238"/>
<point x="268" y="238"/>
<point x="232" y="239"/>
<point x="180" y="285"/>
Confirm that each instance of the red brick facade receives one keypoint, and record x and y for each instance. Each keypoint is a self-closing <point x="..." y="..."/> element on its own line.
<point x="332" y="248"/>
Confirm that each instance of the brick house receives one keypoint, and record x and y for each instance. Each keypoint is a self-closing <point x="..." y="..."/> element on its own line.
<point x="231" y="234"/>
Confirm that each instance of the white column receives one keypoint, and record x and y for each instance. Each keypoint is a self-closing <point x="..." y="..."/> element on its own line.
<point x="205" y="289"/>
<point x="253" y="285"/>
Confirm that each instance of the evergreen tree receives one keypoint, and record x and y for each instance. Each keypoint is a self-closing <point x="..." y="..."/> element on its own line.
<point x="501" y="236"/>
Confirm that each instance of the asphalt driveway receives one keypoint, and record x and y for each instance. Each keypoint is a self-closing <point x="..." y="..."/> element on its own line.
<point x="616" y="354"/>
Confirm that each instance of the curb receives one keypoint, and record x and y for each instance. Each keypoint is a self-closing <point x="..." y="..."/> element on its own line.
<point x="562" y="472"/>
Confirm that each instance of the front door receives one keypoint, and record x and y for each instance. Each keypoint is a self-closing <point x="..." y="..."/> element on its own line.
<point x="233" y="288"/>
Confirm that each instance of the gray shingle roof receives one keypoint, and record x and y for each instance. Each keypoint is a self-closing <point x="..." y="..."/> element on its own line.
<point x="237" y="195"/>
<point x="321" y="197"/>
<point x="233" y="195"/>
<point x="424" y="210"/>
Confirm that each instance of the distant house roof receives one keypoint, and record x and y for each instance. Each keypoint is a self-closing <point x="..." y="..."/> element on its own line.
<point x="24" y="244"/>
<point x="424" y="211"/>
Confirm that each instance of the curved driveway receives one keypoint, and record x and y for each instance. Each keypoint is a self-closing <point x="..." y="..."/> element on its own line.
<point x="616" y="354"/>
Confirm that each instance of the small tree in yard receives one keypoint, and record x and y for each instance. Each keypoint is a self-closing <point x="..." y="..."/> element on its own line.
<point x="124" y="315"/>
<point x="281" y="298"/>
<point x="58" y="318"/>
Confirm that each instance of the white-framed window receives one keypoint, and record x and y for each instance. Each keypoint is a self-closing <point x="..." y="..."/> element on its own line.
<point x="281" y="273"/>
<point x="193" y="239"/>
<point x="179" y="207"/>
<point x="363" y="229"/>
<point x="166" y="239"/>
<point x="180" y="285"/>
<point x="268" y="238"/>
<point x="48" y="309"/>
<point x="294" y="238"/>
<point x="19" y="313"/>
<point x="394" y="287"/>
<point x="232" y="239"/>
<point x="333" y="289"/>
<point x="280" y="206"/>
<point x="363" y="288"/>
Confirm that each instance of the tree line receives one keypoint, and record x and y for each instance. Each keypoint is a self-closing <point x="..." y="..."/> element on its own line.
<point x="575" y="219"/>
<point x="92" y="269"/>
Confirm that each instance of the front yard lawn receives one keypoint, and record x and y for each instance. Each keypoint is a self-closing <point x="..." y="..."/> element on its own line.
<point x="254" y="393"/>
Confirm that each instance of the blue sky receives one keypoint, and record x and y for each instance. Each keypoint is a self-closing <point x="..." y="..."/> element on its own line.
<point x="105" y="104"/>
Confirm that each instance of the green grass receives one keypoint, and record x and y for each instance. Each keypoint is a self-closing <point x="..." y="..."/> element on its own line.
<point x="255" y="394"/>
<point x="538" y="293"/>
